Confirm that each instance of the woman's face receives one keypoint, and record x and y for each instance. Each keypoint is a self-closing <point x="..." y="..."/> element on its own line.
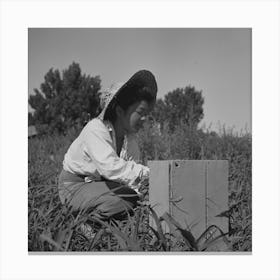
<point x="135" y="115"/>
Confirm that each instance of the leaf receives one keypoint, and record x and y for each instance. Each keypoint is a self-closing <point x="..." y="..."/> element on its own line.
<point x="218" y="244"/>
<point x="63" y="238"/>
<point x="159" y="228"/>
<point x="135" y="229"/>
<point x="176" y="199"/>
<point x="189" y="238"/>
<point x="44" y="237"/>
<point x="204" y="237"/>
<point x="118" y="234"/>
<point x="225" y="214"/>
<point x="213" y="239"/>
<point x="96" y="239"/>
<point x="174" y="225"/>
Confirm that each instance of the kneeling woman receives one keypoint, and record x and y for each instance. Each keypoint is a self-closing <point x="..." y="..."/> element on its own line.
<point x="101" y="169"/>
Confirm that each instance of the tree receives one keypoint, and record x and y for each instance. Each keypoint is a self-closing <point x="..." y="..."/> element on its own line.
<point x="182" y="105"/>
<point x="30" y="119"/>
<point x="65" y="101"/>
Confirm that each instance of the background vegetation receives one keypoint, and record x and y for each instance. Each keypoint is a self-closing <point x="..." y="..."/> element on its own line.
<point x="61" y="105"/>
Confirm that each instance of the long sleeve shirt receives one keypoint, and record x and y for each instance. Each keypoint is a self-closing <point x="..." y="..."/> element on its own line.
<point x="93" y="154"/>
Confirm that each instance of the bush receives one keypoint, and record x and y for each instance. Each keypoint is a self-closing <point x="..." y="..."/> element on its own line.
<point x="51" y="226"/>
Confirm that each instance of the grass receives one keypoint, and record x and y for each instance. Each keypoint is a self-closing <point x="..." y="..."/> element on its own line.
<point x="53" y="227"/>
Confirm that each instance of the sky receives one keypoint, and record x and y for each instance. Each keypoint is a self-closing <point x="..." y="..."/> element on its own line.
<point x="214" y="61"/>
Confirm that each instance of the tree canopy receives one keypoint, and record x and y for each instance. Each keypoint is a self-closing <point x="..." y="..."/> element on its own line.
<point x="71" y="98"/>
<point x="182" y="105"/>
<point x="65" y="99"/>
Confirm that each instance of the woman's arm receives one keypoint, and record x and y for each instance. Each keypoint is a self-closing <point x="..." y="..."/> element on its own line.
<point x="99" y="147"/>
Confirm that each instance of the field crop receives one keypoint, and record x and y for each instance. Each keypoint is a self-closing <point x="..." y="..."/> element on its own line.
<point x="53" y="227"/>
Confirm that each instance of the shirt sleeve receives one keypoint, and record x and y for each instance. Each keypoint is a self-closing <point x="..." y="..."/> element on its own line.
<point x="99" y="147"/>
<point x="130" y="150"/>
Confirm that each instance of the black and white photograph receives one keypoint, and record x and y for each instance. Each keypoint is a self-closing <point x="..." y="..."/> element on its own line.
<point x="139" y="140"/>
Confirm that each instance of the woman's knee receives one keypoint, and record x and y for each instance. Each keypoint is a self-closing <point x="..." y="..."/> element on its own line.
<point x="114" y="205"/>
<point x="124" y="192"/>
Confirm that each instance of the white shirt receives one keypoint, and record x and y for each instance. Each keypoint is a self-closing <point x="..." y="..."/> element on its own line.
<point x="93" y="153"/>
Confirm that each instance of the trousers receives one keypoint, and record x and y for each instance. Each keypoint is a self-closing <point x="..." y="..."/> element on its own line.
<point x="107" y="199"/>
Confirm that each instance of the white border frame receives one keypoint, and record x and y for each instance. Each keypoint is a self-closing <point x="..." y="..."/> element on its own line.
<point x="17" y="16"/>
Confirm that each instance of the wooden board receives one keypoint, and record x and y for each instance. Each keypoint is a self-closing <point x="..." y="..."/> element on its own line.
<point x="188" y="183"/>
<point x="192" y="191"/>
<point x="159" y="192"/>
<point x="217" y="193"/>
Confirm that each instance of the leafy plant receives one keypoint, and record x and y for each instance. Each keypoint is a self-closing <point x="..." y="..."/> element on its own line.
<point x="53" y="227"/>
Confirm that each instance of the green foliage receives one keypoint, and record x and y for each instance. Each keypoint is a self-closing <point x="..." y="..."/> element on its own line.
<point x="30" y="119"/>
<point x="72" y="98"/>
<point x="180" y="106"/>
<point x="186" y="143"/>
<point x="62" y="105"/>
<point x="65" y="101"/>
<point x="52" y="227"/>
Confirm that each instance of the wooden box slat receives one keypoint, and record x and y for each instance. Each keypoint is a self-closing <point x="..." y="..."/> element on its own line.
<point x="192" y="191"/>
<point x="188" y="183"/>
<point x="217" y="193"/>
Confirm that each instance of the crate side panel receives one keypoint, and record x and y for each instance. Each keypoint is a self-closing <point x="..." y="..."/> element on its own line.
<point x="217" y="193"/>
<point x="188" y="184"/>
<point x="159" y="186"/>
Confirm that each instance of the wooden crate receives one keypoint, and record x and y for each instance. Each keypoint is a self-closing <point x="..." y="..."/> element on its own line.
<point x="192" y="191"/>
